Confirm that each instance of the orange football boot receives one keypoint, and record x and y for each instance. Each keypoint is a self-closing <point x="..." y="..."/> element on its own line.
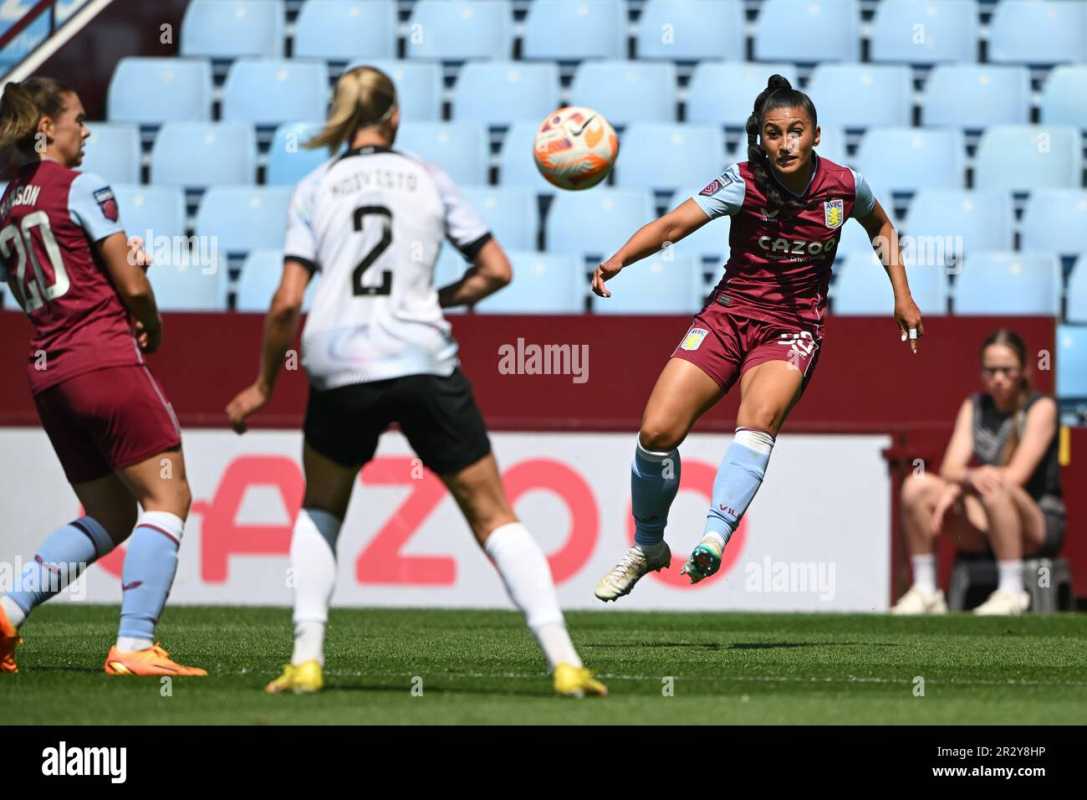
<point x="9" y="637"/>
<point x="153" y="661"/>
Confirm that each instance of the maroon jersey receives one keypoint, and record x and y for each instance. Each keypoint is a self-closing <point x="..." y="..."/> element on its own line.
<point x="50" y="216"/>
<point x="779" y="269"/>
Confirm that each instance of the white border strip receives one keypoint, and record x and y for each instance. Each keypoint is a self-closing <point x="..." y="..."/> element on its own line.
<point x="73" y="25"/>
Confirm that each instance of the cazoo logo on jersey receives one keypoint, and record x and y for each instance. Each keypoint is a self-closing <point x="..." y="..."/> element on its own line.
<point x="787" y="248"/>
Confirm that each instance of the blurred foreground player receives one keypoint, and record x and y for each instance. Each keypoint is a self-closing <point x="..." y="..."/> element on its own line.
<point x="377" y="350"/>
<point x="68" y="263"/>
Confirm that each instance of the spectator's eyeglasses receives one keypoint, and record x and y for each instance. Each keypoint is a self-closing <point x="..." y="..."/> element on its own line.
<point x="989" y="372"/>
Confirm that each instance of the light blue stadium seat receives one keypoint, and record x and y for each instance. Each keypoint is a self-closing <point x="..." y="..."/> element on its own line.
<point x="908" y="159"/>
<point x="854" y="238"/>
<point x="831" y="144"/>
<point x="664" y="157"/>
<point x="1026" y="157"/>
<point x="271" y="91"/>
<point x="259" y="280"/>
<point x="189" y="282"/>
<point x="157" y="90"/>
<point x="667" y="283"/>
<point x="808" y="31"/>
<point x="65" y="8"/>
<point x="343" y="30"/>
<point x="862" y="95"/>
<point x="975" y="96"/>
<point x="1056" y="220"/>
<point x="597" y="221"/>
<point x="24" y="43"/>
<point x="501" y="92"/>
<point x="288" y="160"/>
<point x="925" y="31"/>
<point x="459" y="148"/>
<point x="456" y="30"/>
<point x="199" y="154"/>
<point x="542" y="284"/>
<point x="709" y="242"/>
<point x="113" y="152"/>
<point x="1062" y="98"/>
<point x="1000" y="282"/>
<point x="960" y="221"/>
<point x="570" y="30"/>
<point x="418" y="87"/>
<point x="1037" y="32"/>
<point x="151" y="211"/>
<point x="510" y="211"/>
<point x="244" y="218"/>
<point x="1072" y="361"/>
<point x="627" y="91"/>
<point x="227" y="29"/>
<point x="691" y="30"/>
<point x="516" y="165"/>
<point x="861" y="287"/>
<point x="1077" y="296"/>
<point x="724" y="92"/>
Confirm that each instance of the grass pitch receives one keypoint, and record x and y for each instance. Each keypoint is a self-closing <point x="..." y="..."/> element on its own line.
<point x="484" y="667"/>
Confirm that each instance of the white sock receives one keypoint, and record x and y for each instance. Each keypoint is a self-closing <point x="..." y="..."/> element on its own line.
<point x="527" y="577"/>
<point x="924" y="572"/>
<point x="16" y="616"/>
<point x="313" y="568"/>
<point x="131" y="644"/>
<point x="1011" y="576"/>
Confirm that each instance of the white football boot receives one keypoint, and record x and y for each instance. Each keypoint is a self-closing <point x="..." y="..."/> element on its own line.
<point x="919" y="601"/>
<point x="635" y="563"/>
<point x="1002" y="603"/>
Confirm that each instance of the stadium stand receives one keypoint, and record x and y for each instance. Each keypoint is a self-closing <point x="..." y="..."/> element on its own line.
<point x="543" y="284"/>
<point x="343" y="30"/>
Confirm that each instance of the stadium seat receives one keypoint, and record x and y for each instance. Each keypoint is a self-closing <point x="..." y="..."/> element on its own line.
<point x="259" y="280"/>
<point x="831" y="144"/>
<point x="199" y="154"/>
<point x="156" y="90"/>
<point x="627" y="91"/>
<point x="723" y="93"/>
<point x="460" y="148"/>
<point x="1062" y="98"/>
<point x="861" y="287"/>
<point x="980" y="220"/>
<point x="691" y="30"/>
<point x="666" y="283"/>
<point x="854" y="238"/>
<point x="189" y="281"/>
<point x="995" y="282"/>
<point x="113" y="152"/>
<point x="974" y="96"/>
<point x="1026" y="157"/>
<point x="456" y="30"/>
<point x="908" y="159"/>
<point x="151" y="211"/>
<point x="502" y="92"/>
<point x="1056" y="220"/>
<point x="511" y="212"/>
<point x="288" y="160"/>
<point x="418" y="87"/>
<point x="271" y="91"/>
<point x="542" y="284"/>
<point x="808" y="31"/>
<point x="949" y="31"/>
<point x="244" y="218"/>
<point x="862" y="95"/>
<point x="25" y="42"/>
<point x="516" y="166"/>
<point x="570" y="30"/>
<point x="710" y="242"/>
<point x="1077" y="294"/>
<point x="663" y="157"/>
<point x="1072" y="361"/>
<point x="342" y="30"/>
<point x="596" y="222"/>
<point x="228" y="29"/>
<point x="1038" y="32"/>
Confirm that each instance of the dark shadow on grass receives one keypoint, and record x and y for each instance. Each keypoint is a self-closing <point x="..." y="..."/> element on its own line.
<point x="741" y="645"/>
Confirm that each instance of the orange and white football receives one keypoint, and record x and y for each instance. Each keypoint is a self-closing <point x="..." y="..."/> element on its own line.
<point x="575" y="148"/>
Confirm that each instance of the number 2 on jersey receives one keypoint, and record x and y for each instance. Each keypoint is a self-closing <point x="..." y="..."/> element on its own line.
<point x="358" y="289"/>
<point x="34" y="293"/>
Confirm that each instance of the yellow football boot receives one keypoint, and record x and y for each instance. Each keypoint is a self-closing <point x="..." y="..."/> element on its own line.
<point x="571" y="681"/>
<point x="304" y="678"/>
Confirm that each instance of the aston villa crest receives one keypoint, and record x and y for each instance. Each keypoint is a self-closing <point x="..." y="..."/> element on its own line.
<point x="833" y="213"/>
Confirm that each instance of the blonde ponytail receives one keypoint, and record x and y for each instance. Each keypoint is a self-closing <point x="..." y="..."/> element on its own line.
<point x="365" y="96"/>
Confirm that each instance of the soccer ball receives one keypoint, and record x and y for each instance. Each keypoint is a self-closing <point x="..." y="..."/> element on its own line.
<point x="575" y="148"/>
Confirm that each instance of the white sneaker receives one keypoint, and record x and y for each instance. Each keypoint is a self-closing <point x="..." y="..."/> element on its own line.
<point x="919" y="601"/>
<point x="1002" y="603"/>
<point x="631" y="567"/>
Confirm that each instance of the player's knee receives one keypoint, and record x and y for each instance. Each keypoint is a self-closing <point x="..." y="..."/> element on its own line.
<point x="918" y="488"/>
<point x="660" y="438"/>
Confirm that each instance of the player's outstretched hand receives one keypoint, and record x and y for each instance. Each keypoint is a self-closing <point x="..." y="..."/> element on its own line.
<point x="605" y="272"/>
<point x="908" y="318"/>
<point x="245" y="403"/>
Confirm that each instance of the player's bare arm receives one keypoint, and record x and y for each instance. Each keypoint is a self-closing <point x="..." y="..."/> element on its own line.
<point x="489" y="272"/>
<point x="907" y="315"/>
<point x="1040" y="428"/>
<point x="135" y="291"/>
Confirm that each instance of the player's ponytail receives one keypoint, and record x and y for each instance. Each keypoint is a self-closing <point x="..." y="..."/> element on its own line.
<point x="365" y="96"/>
<point x="779" y="93"/>
<point x="22" y="107"/>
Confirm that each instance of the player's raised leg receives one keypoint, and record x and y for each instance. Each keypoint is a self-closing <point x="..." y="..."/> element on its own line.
<point x="683" y="392"/>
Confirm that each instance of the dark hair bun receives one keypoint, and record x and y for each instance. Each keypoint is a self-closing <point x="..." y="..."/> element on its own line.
<point x="778" y="82"/>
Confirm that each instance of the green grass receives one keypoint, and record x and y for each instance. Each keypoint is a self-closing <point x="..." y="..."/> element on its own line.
<point x="483" y="667"/>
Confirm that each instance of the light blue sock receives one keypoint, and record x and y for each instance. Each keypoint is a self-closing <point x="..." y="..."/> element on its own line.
<point x="148" y="574"/>
<point x="738" y="479"/>
<point x="60" y="560"/>
<point x="654" y="481"/>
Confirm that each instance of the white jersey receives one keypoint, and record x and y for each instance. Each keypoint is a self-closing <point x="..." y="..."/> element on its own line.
<point x="372" y="221"/>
